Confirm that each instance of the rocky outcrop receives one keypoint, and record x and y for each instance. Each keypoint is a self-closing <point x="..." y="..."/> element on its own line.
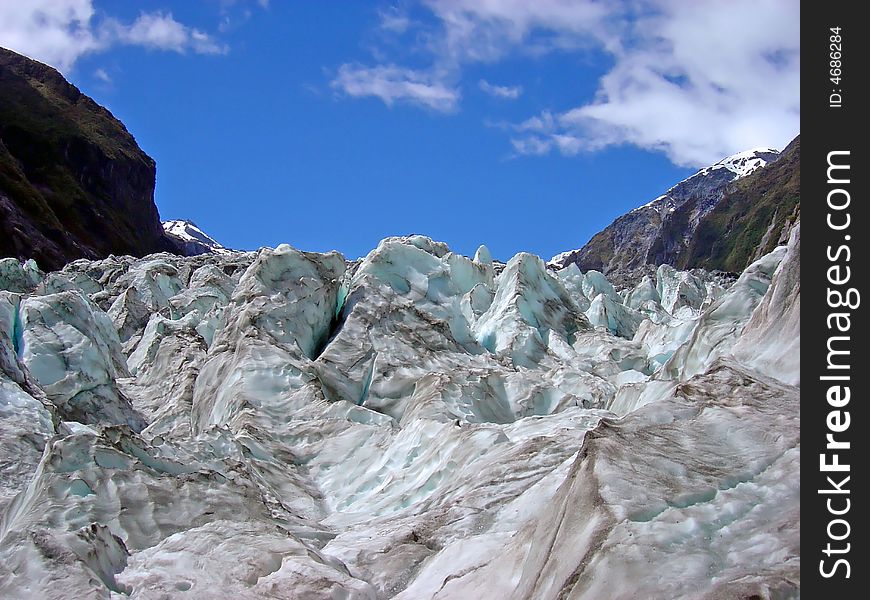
<point x="73" y="181"/>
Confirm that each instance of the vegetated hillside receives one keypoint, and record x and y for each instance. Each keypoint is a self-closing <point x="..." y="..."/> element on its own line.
<point x="754" y="216"/>
<point x="73" y="181"/>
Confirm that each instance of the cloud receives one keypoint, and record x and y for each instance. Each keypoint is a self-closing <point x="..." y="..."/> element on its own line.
<point x="694" y="80"/>
<point x="475" y="31"/>
<point x="543" y="123"/>
<point x="160" y="31"/>
<point x="59" y="32"/>
<point x="500" y="91"/>
<point x="394" y="84"/>
<point x="394" y="20"/>
<point x="51" y="31"/>
<point x="466" y="31"/>
<point x="697" y="82"/>
<point x="103" y="76"/>
<point x="531" y="145"/>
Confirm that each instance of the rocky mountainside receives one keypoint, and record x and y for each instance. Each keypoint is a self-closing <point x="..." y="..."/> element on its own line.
<point x="73" y="181"/>
<point x="755" y="215"/>
<point x="415" y="424"/>
<point x="674" y="228"/>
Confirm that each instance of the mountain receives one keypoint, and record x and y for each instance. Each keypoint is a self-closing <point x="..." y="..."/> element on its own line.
<point x="660" y="231"/>
<point x="190" y="239"/>
<point x="73" y="181"/>
<point x="415" y="424"/>
<point x="755" y="215"/>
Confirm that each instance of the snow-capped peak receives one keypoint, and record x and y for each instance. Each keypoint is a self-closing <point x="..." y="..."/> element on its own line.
<point x="193" y="239"/>
<point x="711" y="178"/>
<point x="746" y="162"/>
<point x="740" y="164"/>
<point x="558" y="261"/>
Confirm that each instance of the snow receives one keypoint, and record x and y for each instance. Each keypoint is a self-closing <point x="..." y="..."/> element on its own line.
<point x="652" y="203"/>
<point x="285" y="424"/>
<point x="743" y="163"/>
<point x="188" y="231"/>
<point x="558" y="261"/>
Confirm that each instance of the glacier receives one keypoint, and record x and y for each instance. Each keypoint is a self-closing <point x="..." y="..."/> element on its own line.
<point x="412" y="424"/>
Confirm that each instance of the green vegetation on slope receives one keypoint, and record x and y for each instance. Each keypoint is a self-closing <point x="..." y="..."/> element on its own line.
<point x="750" y="218"/>
<point x="73" y="181"/>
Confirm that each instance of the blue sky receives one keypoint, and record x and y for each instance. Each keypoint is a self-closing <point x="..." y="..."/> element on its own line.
<point x="527" y="126"/>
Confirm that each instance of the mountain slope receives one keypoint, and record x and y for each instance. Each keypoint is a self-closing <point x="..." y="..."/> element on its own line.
<point x="73" y="181"/>
<point x="660" y="231"/>
<point x="754" y="216"/>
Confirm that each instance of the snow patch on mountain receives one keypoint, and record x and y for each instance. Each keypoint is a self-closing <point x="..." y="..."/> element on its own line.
<point x="192" y="239"/>
<point x="744" y="163"/>
<point x="651" y="203"/>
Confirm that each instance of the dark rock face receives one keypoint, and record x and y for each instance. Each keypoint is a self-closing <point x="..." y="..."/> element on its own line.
<point x="73" y="181"/>
<point x="695" y="223"/>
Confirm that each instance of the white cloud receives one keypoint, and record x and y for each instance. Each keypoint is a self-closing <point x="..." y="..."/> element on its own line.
<point x="59" y="32"/>
<point x="468" y="31"/>
<point x="698" y="82"/>
<point x="396" y="84"/>
<point x="103" y="76"/>
<point x="695" y="80"/>
<point x="48" y="30"/>
<point x="486" y="31"/>
<point x="394" y="20"/>
<point x="531" y="145"/>
<point x="500" y="91"/>
<point x="543" y="123"/>
<point x="160" y="31"/>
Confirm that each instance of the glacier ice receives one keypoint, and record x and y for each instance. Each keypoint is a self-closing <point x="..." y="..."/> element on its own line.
<point x="414" y="424"/>
<point x="18" y="277"/>
<point x="72" y="350"/>
<point x="770" y="341"/>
